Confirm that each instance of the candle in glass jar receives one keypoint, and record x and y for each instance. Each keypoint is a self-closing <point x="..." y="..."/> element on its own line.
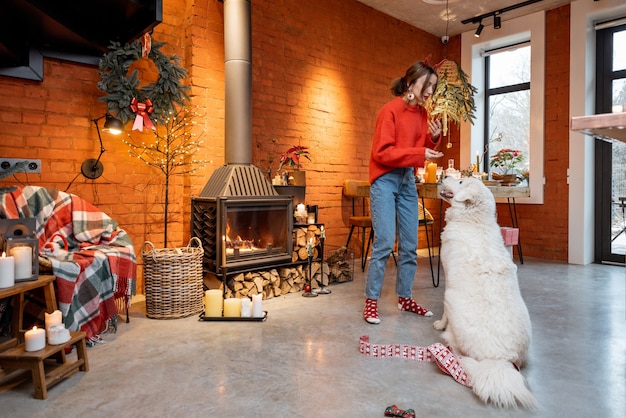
<point x="7" y="271"/>
<point x="23" y="261"/>
<point x="322" y="233"/>
<point x="35" y="339"/>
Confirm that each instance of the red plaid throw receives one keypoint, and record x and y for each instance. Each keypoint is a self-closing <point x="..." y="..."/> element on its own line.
<point x="437" y="353"/>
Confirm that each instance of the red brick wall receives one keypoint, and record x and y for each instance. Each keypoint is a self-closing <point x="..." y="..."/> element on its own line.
<point x="318" y="81"/>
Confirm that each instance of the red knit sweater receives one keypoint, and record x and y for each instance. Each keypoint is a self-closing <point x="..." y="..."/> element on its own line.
<point x="400" y="139"/>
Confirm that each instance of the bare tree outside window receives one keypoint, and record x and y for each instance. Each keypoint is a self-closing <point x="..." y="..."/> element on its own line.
<point x="508" y="103"/>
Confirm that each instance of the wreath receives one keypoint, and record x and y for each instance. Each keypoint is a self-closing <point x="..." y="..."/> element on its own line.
<point x="124" y="98"/>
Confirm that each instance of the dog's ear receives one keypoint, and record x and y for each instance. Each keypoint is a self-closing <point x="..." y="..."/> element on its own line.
<point x="464" y="194"/>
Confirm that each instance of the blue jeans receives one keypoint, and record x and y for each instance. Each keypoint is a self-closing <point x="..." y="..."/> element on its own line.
<point x="393" y="206"/>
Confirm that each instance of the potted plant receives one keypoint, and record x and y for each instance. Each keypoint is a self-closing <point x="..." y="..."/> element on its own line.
<point x="506" y="161"/>
<point x="453" y="99"/>
<point x="291" y="158"/>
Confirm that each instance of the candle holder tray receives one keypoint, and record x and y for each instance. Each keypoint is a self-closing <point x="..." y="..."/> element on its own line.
<point x="233" y="318"/>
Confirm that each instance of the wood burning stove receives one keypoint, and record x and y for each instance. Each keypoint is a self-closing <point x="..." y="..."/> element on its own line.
<point x="243" y="232"/>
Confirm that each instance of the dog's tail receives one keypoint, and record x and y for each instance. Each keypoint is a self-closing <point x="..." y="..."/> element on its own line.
<point x="499" y="382"/>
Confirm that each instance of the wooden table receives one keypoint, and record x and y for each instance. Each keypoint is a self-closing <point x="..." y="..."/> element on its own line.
<point x="17" y="292"/>
<point x="510" y="193"/>
<point x="18" y="358"/>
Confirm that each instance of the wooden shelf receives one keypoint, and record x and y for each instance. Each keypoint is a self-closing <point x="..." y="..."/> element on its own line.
<point x="607" y="126"/>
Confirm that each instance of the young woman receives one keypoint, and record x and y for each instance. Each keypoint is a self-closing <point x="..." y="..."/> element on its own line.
<point x="403" y="140"/>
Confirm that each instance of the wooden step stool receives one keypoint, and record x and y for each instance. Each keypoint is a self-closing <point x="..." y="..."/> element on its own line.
<point x="18" y="358"/>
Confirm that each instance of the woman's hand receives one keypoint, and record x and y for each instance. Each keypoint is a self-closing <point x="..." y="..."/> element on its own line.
<point x="432" y="154"/>
<point x="434" y="127"/>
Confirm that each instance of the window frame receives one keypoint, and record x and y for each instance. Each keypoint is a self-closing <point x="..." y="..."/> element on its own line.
<point x="530" y="28"/>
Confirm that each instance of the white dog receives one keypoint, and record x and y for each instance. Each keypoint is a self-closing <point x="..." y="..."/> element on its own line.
<point x="485" y="319"/>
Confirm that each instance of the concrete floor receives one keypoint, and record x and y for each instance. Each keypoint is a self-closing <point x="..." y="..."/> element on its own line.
<point x="304" y="360"/>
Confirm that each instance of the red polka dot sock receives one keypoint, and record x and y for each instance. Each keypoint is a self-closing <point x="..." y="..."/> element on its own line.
<point x="408" y="304"/>
<point x="370" y="312"/>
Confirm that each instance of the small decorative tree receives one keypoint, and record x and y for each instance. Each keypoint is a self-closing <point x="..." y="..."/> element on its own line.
<point x="172" y="151"/>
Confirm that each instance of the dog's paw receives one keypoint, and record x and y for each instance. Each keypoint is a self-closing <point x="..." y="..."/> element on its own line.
<point x="440" y="325"/>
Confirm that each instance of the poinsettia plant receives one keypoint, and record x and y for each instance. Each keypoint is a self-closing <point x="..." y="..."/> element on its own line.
<point x="291" y="157"/>
<point x="507" y="160"/>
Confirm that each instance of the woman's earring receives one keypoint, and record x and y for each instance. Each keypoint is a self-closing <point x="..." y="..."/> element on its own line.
<point x="410" y="96"/>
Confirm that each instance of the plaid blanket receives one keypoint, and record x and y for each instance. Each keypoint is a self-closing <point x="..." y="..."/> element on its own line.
<point x="97" y="267"/>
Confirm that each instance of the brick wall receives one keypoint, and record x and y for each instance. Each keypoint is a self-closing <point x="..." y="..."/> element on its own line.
<point x="318" y="81"/>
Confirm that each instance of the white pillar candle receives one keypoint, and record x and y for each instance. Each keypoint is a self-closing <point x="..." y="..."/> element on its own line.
<point x="257" y="306"/>
<point x="35" y="339"/>
<point x="23" y="262"/>
<point x="246" y="308"/>
<point x="7" y="271"/>
<point x="55" y="318"/>
<point x="232" y="307"/>
<point x="57" y="334"/>
<point x="213" y="303"/>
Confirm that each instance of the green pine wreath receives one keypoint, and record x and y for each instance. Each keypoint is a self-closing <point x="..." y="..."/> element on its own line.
<point x="121" y="87"/>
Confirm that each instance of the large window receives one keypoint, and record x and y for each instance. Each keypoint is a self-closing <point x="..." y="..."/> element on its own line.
<point x="610" y="170"/>
<point x="507" y="104"/>
<point x="507" y="66"/>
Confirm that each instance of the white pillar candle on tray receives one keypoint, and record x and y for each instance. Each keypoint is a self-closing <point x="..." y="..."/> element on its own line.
<point x="232" y="307"/>
<point x="23" y="261"/>
<point x="35" y="339"/>
<point x="54" y="318"/>
<point x="7" y="271"/>
<point x="246" y="308"/>
<point x="257" y="306"/>
<point x="213" y="303"/>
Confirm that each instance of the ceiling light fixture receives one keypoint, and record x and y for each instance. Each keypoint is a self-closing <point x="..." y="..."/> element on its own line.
<point x="479" y="29"/>
<point x="93" y="168"/>
<point x="497" y="21"/>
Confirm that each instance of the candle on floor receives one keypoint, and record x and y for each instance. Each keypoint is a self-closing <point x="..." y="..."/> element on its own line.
<point x="35" y="339"/>
<point x="257" y="306"/>
<point x="246" y="308"/>
<point x="23" y="262"/>
<point x="7" y="271"/>
<point x="213" y="303"/>
<point x="232" y="307"/>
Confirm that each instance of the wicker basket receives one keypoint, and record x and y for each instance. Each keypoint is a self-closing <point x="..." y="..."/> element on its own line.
<point x="173" y="280"/>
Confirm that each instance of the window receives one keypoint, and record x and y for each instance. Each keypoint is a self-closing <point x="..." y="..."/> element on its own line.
<point x="521" y="39"/>
<point x="507" y="105"/>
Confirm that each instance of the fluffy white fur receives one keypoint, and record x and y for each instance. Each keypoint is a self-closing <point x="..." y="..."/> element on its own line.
<point x="485" y="319"/>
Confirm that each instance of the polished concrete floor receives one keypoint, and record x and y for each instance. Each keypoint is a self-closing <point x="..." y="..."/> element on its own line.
<point x="304" y="361"/>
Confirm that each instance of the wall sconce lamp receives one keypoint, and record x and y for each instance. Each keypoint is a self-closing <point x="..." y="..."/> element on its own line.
<point x="93" y="168"/>
<point x="479" y="29"/>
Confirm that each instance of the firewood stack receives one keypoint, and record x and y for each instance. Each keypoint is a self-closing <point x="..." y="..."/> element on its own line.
<point x="340" y="265"/>
<point x="302" y="236"/>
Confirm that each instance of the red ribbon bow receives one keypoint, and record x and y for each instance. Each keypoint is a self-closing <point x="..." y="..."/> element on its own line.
<point x="143" y="111"/>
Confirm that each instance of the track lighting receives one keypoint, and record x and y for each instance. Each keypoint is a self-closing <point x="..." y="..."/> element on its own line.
<point x="497" y="21"/>
<point x="479" y="29"/>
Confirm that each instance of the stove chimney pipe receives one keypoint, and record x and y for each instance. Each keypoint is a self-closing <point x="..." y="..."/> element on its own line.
<point x="238" y="82"/>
